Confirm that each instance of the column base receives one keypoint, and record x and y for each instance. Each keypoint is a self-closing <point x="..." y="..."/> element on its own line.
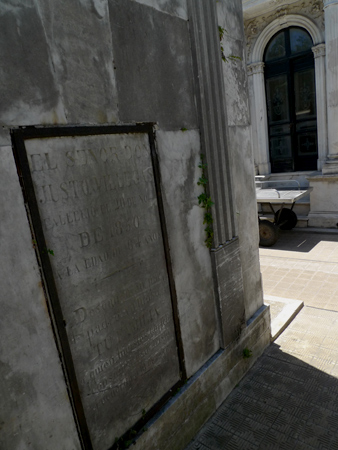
<point x="322" y="220"/>
<point x="264" y="169"/>
<point x="323" y="201"/>
<point x="330" y="167"/>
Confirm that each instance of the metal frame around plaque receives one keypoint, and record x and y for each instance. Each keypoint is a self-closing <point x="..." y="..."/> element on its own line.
<point x="19" y="137"/>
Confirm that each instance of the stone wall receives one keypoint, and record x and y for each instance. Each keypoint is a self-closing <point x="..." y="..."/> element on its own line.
<point x="80" y="78"/>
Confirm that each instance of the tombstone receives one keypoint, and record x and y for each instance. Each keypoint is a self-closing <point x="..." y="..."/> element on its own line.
<point x="96" y="211"/>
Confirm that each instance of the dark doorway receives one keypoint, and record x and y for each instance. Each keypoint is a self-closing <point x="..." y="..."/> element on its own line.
<point x="291" y="101"/>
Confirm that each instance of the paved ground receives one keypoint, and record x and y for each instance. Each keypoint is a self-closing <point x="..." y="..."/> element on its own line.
<point x="302" y="266"/>
<point x="289" y="399"/>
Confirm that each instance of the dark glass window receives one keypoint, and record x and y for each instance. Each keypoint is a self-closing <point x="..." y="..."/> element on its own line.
<point x="300" y="40"/>
<point x="291" y="101"/>
<point x="276" y="47"/>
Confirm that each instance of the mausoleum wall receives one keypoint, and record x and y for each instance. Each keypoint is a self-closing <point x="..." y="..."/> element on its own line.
<point x="111" y="300"/>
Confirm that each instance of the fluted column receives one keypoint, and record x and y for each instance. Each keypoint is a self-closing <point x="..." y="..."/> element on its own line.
<point x="331" y="39"/>
<point x="213" y="119"/>
<point x="259" y="117"/>
<point x="320" y="71"/>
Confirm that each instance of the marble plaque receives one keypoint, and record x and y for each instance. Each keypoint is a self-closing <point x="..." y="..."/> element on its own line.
<point x="98" y="207"/>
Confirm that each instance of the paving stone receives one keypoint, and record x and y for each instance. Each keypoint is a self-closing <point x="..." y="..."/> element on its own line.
<point x="289" y="398"/>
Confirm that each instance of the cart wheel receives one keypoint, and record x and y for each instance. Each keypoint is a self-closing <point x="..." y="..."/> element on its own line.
<point x="268" y="233"/>
<point x="286" y="220"/>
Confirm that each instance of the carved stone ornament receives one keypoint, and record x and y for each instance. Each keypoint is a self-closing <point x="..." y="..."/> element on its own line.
<point x="312" y="9"/>
<point x="318" y="50"/>
<point x="255" y="68"/>
<point x="282" y="11"/>
<point x="252" y="28"/>
<point x="316" y="7"/>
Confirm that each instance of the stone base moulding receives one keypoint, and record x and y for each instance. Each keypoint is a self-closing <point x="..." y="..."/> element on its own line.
<point x="330" y="166"/>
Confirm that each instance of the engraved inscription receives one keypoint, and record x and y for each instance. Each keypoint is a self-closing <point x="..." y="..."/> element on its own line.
<point x="99" y="213"/>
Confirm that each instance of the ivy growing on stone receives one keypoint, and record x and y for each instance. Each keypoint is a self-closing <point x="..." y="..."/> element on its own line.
<point x="205" y="202"/>
<point x="221" y="32"/>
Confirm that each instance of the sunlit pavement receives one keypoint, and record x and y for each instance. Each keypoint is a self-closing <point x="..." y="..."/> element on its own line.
<point x="289" y="399"/>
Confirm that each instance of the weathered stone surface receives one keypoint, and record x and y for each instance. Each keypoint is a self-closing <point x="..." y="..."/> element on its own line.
<point x="35" y="410"/>
<point x="246" y="214"/>
<point x="79" y="38"/>
<point x="5" y="138"/>
<point x="234" y="71"/>
<point x="179" y="155"/>
<point x="236" y="84"/>
<point x="100" y="216"/>
<point x="227" y="265"/>
<point x="153" y="66"/>
<point x="212" y="116"/>
<point x="230" y="14"/>
<point x="173" y="7"/>
<point x="323" y="201"/>
<point x="205" y="392"/>
<point x="29" y="92"/>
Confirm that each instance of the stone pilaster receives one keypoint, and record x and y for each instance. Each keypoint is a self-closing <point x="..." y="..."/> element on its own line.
<point x="320" y="71"/>
<point x="259" y="117"/>
<point x="213" y="116"/>
<point x="323" y="198"/>
<point x="331" y="40"/>
<point x="225" y="255"/>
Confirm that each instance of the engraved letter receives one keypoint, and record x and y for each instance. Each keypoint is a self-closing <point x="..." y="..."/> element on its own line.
<point x="36" y="162"/>
<point x="49" y="166"/>
<point x="98" y="234"/>
<point x="85" y="239"/>
<point x="70" y="160"/>
<point x="51" y="196"/>
<point x="63" y="188"/>
<point x="80" y="315"/>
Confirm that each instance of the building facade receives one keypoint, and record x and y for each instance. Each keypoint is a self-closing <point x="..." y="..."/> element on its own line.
<point x="292" y="56"/>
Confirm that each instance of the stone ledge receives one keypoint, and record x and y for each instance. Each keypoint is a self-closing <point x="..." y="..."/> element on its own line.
<point x="286" y="310"/>
<point x="323" y="219"/>
<point x="183" y="416"/>
<point x="323" y="177"/>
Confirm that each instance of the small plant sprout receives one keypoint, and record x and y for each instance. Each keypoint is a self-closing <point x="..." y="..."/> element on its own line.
<point x="221" y="32"/>
<point x="247" y="353"/>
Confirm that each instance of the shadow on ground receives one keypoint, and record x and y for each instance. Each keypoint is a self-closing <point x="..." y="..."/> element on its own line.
<point x="282" y="403"/>
<point x="297" y="241"/>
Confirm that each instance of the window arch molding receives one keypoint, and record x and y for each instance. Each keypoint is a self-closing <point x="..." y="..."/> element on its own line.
<point x="257" y="88"/>
<point x="292" y="20"/>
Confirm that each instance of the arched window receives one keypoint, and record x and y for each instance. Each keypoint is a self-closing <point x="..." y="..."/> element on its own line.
<point x="291" y="101"/>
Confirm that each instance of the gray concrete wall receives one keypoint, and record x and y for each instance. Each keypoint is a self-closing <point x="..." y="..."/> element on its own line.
<point x="239" y="126"/>
<point x="179" y="154"/>
<point x="35" y="411"/>
<point x="116" y="62"/>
